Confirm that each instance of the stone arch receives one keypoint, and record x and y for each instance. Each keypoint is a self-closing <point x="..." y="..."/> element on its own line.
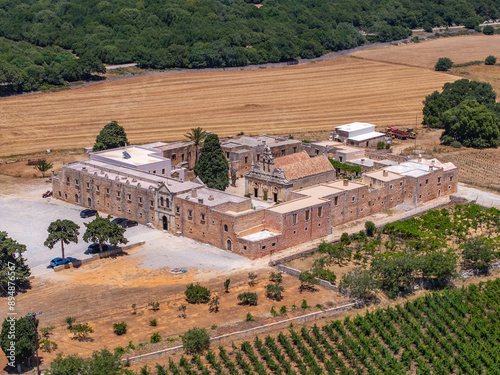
<point x="165" y="223"/>
<point x="229" y="245"/>
<point x="89" y="202"/>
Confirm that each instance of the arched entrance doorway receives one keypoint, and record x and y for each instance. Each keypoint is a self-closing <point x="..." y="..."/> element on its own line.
<point x="165" y="223"/>
<point x="439" y="193"/>
<point x="89" y="202"/>
<point x="76" y="198"/>
<point x="229" y="245"/>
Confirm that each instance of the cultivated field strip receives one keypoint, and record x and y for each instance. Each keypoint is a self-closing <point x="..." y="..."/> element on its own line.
<point x="474" y="163"/>
<point x="452" y="332"/>
<point x="460" y="49"/>
<point x="314" y="96"/>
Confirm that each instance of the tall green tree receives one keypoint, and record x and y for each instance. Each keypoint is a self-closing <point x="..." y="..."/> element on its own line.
<point x="478" y="254"/>
<point x="23" y="340"/>
<point x="443" y="64"/>
<point x="212" y="167"/>
<point x="472" y="124"/>
<point x="12" y="266"/>
<point x="102" y="229"/>
<point x="64" y="231"/>
<point x="111" y="136"/>
<point x="197" y="136"/>
<point x="43" y="166"/>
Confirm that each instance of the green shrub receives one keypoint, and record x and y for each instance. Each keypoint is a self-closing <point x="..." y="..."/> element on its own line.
<point x="273" y="311"/>
<point x="120" y="328"/>
<point x="249" y="318"/>
<point x="155" y="337"/>
<point x="488" y="30"/>
<point x="443" y="64"/>
<point x="213" y="326"/>
<point x="387" y="146"/>
<point x="248" y="298"/>
<point x="197" y="294"/>
<point x="274" y="291"/>
<point x="69" y="321"/>
<point x="152" y="323"/>
<point x="455" y="144"/>
<point x="304" y="305"/>
<point x="490" y="60"/>
<point x="370" y="228"/>
<point x="119" y="351"/>
<point x="155" y="306"/>
<point x="326" y="275"/>
<point x="283" y="310"/>
<point x="196" y="340"/>
<point x="380" y="145"/>
<point x="276" y="277"/>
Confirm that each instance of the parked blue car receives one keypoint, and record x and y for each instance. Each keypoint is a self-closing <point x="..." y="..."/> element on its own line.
<point x="58" y="262"/>
<point x="87" y="213"/>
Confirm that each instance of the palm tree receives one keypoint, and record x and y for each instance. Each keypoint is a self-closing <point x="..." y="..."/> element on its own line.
<point x="65" y="231"/>
<point x="197" y="136"/>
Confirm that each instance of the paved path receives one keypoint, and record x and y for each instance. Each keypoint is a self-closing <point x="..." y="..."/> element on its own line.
<point x="483" y="198"/>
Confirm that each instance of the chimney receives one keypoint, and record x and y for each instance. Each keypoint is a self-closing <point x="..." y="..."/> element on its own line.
<point x="420" y="158"/>
<point x="346" y="182"/>
<point x="211" y="198"/>
<point x="200" y="200"/>
<point x="385" y="173"/>
<point x="194" y="193"/>
<point x="362" y="161"/>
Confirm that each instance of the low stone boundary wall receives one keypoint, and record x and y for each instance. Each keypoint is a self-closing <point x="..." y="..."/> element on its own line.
<point x="104" y="254"/>
<point x="251" y="331"/>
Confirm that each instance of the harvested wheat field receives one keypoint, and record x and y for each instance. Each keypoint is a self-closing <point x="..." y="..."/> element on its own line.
<point x="460" y="49"/>
<point x="274" y="100"/>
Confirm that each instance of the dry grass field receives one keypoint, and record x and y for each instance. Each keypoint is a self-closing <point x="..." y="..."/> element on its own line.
<point x="482" y="73"/>
<point x="313" y="96"/>
<point x="477" y="167"/>
<point x="460" y="49"/>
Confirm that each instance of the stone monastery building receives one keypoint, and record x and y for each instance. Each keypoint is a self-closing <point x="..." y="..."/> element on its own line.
<point x="140" y="183"/>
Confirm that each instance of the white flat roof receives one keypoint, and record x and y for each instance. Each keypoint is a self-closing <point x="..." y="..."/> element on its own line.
<point x="364" y="137"/>
<point x="409" y="168"/>
<point x="354" y="126"/>
<point x="138" y="155"/>
<point x="259" y="235"/>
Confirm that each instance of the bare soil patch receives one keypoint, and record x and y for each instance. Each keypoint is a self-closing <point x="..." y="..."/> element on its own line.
<point x="315" y="96"/>
<point x="460" y="49"/>
<point x="102" y="293"/>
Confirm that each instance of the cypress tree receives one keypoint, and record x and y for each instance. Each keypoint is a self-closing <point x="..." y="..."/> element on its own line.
<point x="212" y="166"/>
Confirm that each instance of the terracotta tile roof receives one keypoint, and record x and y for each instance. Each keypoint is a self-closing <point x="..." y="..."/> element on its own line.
<point x="289" y="159"/>
<point x="307" y="167"/>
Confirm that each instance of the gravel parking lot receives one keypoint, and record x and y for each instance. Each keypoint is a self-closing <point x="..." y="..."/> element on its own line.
<point x="26" y="217"/>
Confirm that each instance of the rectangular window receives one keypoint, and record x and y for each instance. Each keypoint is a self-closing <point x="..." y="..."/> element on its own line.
<point x="294" y="219"/>
<point x="439" y="180"/>
<point x="202" y="217"/>
<point x="129" y="197"/>
<point x="163" y="171"/>
<point x="317" y="152"/>
<point x="118" y="194"/>
<point x="391" y="186"/>
<point x="190" y="214"/>
<point x="336" y="201"/>
<point x="353" y="199"/>
<point x="294" y="150"/>
<point x="282" y="152"/>
<point x="97" y="188"/>
<point x="307" y="215"/>
<point x="152" y="203"/>
<point x="401" y="183"/>
<point x="107" y="191"/>
<point x="67" y="180"/>
<point x="140" y="200"/>
<point x="173" y="156"/>
<point x="258" y="157"/>
<point x="320" y="211"/>
<point x="227" y="155"/>
<point x="76" y="182"/>
<point x="88" y="185"/>
<point x="177" y="209"/>
<point x="427" y="182"/>
<point x="451" y="178"/>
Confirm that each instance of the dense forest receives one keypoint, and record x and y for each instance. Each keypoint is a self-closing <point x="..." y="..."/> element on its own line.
<point x="212" y="33"/>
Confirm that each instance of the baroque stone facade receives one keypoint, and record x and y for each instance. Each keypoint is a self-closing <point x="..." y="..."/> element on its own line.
<point x="275" y="179"/>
